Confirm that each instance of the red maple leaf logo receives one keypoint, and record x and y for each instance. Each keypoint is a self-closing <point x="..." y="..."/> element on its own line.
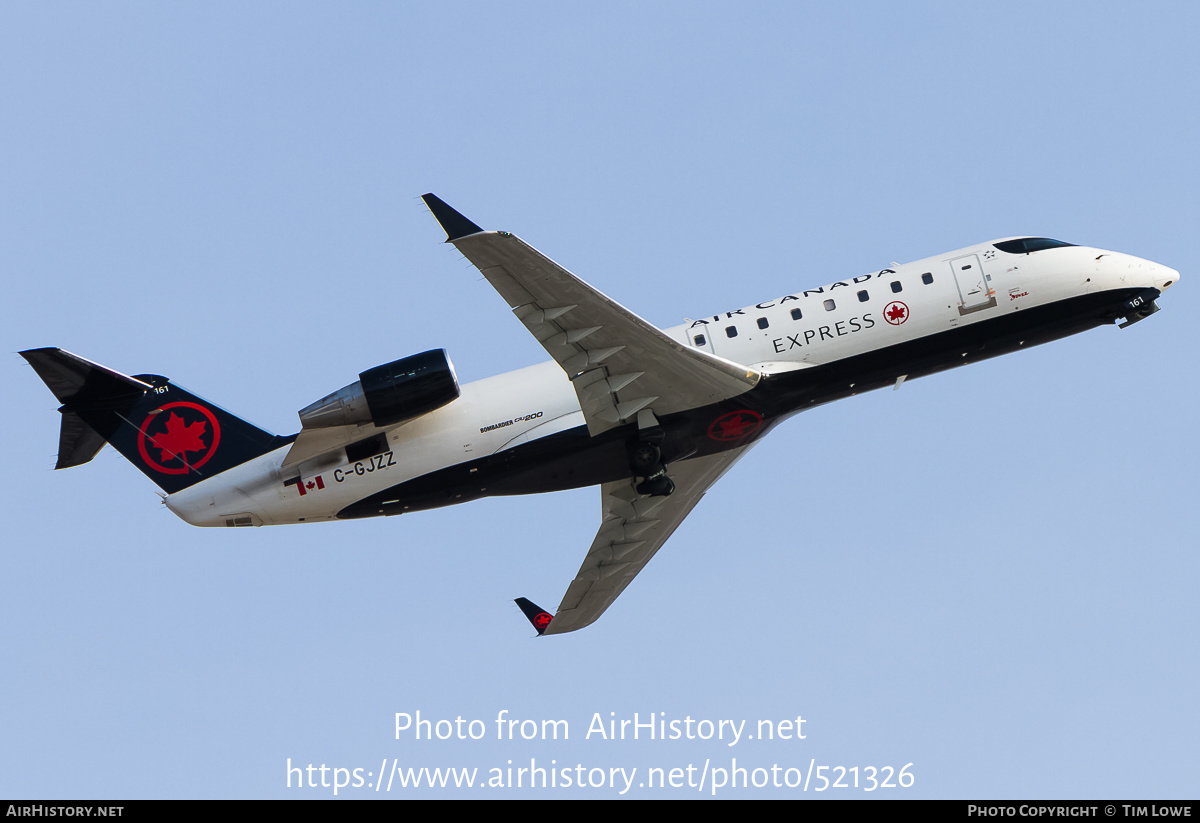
<point x="180" y="437"/>
<point x="542" y="620"/>
<point x="895" y="312"/>
<point x="734" y="425"/>
<point x="737" y="426"/>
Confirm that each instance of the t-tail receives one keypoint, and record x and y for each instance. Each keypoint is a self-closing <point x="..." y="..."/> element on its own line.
<point x="174" y="437"/>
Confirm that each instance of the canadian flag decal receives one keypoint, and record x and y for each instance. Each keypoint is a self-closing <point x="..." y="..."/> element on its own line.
<point x="311" y="485"/>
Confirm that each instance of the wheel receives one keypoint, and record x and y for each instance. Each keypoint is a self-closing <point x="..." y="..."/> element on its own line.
<point x="644" y="458"/>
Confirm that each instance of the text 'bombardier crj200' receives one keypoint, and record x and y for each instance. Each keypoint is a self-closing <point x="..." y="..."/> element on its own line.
<point x="654" y="417"/>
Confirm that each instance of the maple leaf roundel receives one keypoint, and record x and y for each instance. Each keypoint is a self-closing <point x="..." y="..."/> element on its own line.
<point x="178" y="437"/>
<point x="895" y="313"/>
<point x="735" y="425"/>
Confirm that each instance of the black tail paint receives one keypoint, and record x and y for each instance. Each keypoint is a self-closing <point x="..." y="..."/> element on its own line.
<point x="174" y="437"/>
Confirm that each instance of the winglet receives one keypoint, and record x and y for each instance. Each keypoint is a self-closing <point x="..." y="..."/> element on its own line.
<point x="539" y="617"/>
<point x="455" y="225"/>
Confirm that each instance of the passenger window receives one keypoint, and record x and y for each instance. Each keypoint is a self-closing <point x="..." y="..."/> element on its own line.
<point x="731" y="331"/>
<point x="699" y="340"/>
<point x="927" y="278"/>
<point x="896" y="287"/>
<point x="796" y="314"/>
<point x="862" y="296"/>
<point x="829" y="305"/>
<point x="762" y="322"/>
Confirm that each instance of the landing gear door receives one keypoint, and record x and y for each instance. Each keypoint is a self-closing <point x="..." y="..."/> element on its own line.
<point x="974" y="286"/>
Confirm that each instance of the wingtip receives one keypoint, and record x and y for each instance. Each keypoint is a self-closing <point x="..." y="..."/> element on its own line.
<point x="454" y="224"/>
<point x="539" y="617"/>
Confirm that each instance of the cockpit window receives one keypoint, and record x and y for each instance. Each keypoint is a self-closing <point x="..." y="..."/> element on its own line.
<point x="1025" y="245"/>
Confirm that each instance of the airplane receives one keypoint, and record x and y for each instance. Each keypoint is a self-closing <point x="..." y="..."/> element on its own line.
<point x="653" y="417"/>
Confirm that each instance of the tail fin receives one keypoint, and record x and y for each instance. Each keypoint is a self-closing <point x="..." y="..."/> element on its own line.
<point x="174" y="437"/>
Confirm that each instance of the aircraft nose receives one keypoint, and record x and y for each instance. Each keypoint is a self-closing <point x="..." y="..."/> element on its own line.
<point x="1164" y="277"/>
<point x="1138" y="271"/>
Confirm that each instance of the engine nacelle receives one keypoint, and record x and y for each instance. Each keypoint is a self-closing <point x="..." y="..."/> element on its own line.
<point x="388" y="394"/>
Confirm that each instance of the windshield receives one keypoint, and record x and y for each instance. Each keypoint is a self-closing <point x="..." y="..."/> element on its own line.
<point x="1024" y="245"/>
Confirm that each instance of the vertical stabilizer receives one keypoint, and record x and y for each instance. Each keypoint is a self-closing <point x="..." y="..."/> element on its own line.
<point x="174" y="437"/>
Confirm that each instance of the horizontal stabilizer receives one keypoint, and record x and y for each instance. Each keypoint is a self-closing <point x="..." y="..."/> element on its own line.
<point x="82" y="385"/>
<point x="78" y="442"/>
<point x="79" y="383"/>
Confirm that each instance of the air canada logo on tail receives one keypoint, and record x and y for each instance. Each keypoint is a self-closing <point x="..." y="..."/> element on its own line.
<point x="178" y="437"/>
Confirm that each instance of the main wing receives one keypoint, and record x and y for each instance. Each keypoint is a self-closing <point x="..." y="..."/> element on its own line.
<point x="618" y="363"/>
<point x="634" y="528"/>
<point x="620" y="366"/>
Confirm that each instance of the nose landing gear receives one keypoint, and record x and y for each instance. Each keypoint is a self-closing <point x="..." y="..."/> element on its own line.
<point x="1139" y="307"/>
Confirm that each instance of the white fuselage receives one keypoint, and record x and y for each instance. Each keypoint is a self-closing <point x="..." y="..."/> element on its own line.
<point x="802" y="330"/>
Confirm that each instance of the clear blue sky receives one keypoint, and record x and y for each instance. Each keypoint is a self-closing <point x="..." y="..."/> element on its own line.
<point x="990" y="574"/>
